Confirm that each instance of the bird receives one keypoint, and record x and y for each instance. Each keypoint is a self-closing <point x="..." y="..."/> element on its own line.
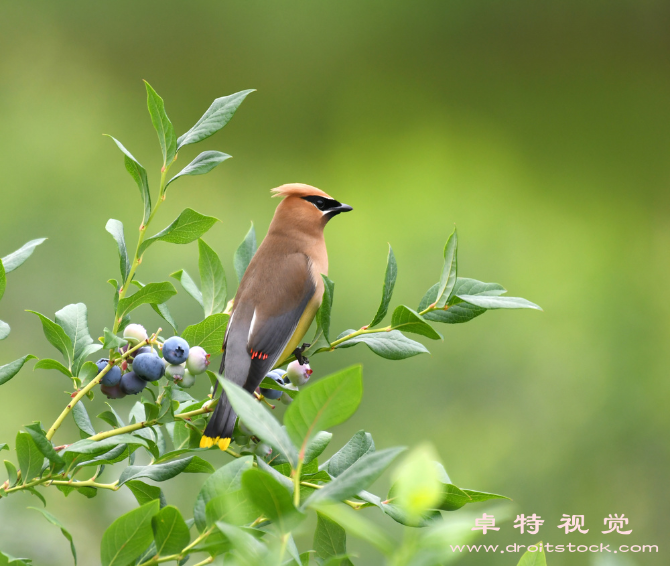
<point x="277" y="299"/>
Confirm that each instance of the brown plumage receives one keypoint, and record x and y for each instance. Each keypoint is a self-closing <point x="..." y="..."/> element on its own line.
<point x="277" y="299"/>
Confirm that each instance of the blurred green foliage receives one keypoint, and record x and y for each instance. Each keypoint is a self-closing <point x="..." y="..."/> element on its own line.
<point x="540" y="129"/>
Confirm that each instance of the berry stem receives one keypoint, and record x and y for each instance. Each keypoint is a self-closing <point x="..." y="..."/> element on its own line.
<point x="137" y="259"/>
<point x="86" y="389"/>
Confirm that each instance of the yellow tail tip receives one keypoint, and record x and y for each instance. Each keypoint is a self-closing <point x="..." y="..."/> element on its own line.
<point x="207" y="442"/>
<point x="224" y="443"/>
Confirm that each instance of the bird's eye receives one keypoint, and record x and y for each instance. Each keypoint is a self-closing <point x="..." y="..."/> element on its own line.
<point x="320" y="204"/>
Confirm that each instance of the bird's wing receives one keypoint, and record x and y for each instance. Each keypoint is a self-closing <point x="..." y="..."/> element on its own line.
<point x="265" y="317"/>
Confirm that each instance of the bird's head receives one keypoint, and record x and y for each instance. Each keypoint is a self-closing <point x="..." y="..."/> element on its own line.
<point x="304" y="204"/>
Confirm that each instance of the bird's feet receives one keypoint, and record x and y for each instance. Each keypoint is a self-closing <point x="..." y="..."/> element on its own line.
<point x="302" y="360"/>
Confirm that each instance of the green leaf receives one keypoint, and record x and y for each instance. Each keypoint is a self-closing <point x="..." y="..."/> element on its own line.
<point x="186" y="228"/>
<point x="449" y="271"/>
<point x="139" y="174"/>
<point x="57" y="337"/>
<point x="357" y="477"/>
<point x="115" y="228"/>
<point x="245" y="252"/>
<point x="15" y="259"/>
<point x="407" y="320"/>
<point x="459" y="311"/>
<point x="43" y="445"/>
<point x="272" y="498"/>
<point x="12" y="368"/>
<point x="225" y="479"/>
<point x="12" y="475"/>
<point x="8" y="560"/>
<point x="215" y="118"/>
<point x="4" y="330"/>
<point x="358" y="446"/>
<point x="49" y="517"/>
<point x="317" y="445"/>
<point x="144" y="493"/>
<point x="329" y="539"/>
<point x="326" y="403"/>
<point x="212" y="280"/>
<point x="87" y="446"/>
<point x="166" y="136"/>
<point x="417" y="486"/>
<point x="154" y="293"/>
<point x="198" y="466"/>
<point x="323" y="314"/>
<point x="111" y="341"/>
<point x="259" y="420"/>
<point x="128" y="536"/>
<point x="4" y="446"/>
<point x="208" y="334"/>
<point x="498" y="302"/>
<point x="387" y="289"/>
<point x="170" y="531"/>
<point x="245" y="544"/>
<point x="82" y="419"/>
<point x="73" y="319"/>
<point x="29" y="456"/>
<point x="357" y="525"/>
<point x="454" y="498"/>
<point x="234" y="507"/>
<point x="201" y="165"/>
<point x="189" y="285"/>
<point x="392" y="345"/>
<point x="536" y="558"/>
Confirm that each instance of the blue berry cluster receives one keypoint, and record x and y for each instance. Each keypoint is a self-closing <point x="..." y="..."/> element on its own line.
<point x="128" y="376"/>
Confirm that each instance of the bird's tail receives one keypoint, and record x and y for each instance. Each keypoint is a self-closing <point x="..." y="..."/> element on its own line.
<point x="219" y="429"/>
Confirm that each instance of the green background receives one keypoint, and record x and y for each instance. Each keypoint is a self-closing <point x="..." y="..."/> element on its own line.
<point x="540" y="129"/>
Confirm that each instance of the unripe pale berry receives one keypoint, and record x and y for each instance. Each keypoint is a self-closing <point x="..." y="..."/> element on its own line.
<point x="299" y="375"/>
<point x="175" y="350"/>
<point x="149" y="366"/>
<point x="135" y="333"/>
<point x="131" y="383"/>
<point x="113" y="392"/>
<point x="197" y="361"/>
<point x="263" y="450"/>
<point x="175" y="373"/>
<point x="187" y="381"/>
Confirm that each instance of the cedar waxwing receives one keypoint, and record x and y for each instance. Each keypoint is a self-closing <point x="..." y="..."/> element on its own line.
<point x="277" y="299"/>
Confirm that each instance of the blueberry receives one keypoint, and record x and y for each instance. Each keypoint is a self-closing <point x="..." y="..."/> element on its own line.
<point x="113" y="392"/>
<point x="135" y="333"/>
<point x="175" y="350"/>
<point x="187" y="381"/>
<point x="273" y="393"/>
<point x="133" y="355"/>
<point x="198" y="360"/>
<point x="149" y="367"/>
<point x="131" y="383"/>
<point x="175" y="373"/>
<point x="298" y="374"/>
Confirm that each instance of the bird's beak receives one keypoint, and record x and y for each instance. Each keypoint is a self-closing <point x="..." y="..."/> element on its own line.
<point x="342" y="208"/>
